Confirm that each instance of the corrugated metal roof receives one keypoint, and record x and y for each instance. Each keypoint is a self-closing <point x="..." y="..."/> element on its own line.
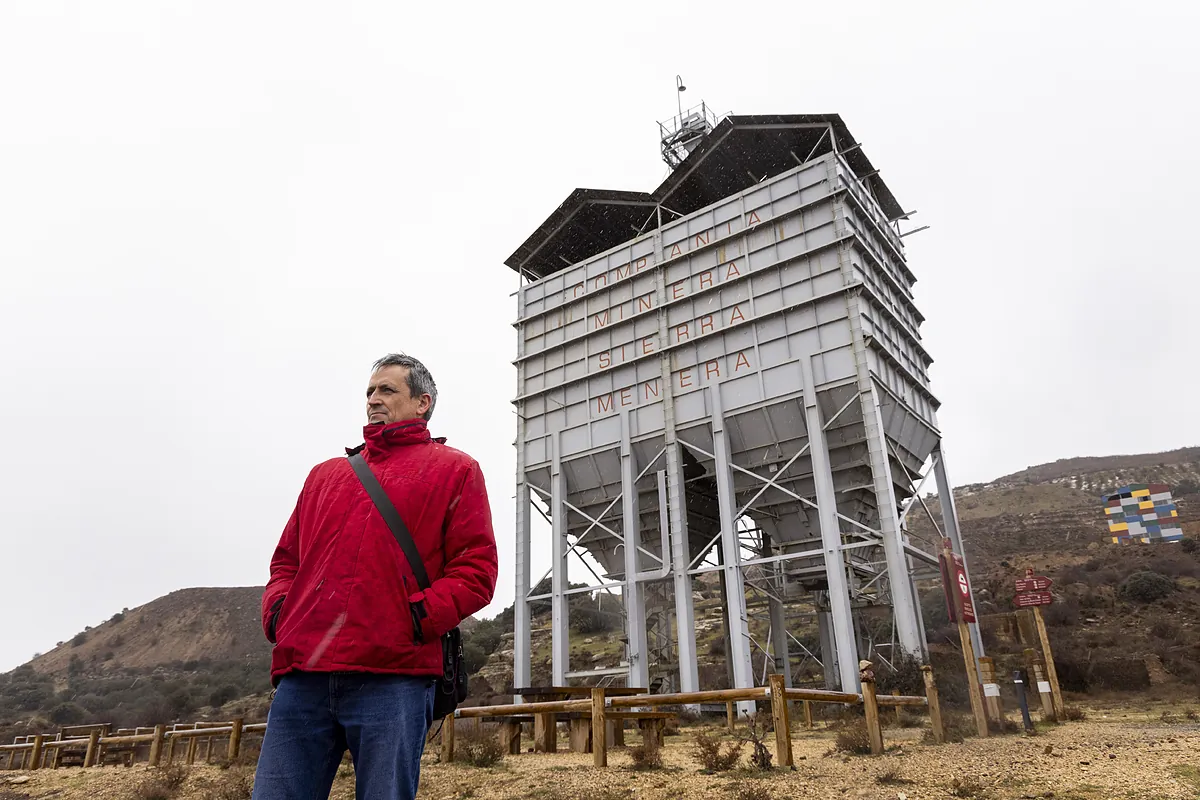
<point x="739" y="153"/>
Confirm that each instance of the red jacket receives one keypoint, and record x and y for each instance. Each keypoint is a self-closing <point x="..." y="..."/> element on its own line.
<point x="340" y="588"/>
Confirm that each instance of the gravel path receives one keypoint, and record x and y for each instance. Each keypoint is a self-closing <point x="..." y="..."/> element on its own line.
<point x="1096" y="759"/>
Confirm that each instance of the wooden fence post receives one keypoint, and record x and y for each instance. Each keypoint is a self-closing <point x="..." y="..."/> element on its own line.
<point x="193" y="745"/>
<point x="935" y="710"/>
<point x="171" y="747"/>
<point x="730" y="715"/>
<point x="1039" y="679"/>
<point x="35" y="758"/>
<point x="871" y="708"/>
<point x="448" y="739"/>
<point x="156" y="745"/>
<point x="235" y="739"/>
<point x="89" y="758"/>
<point x="1051" y="672"/>
<point x="599" y="730"/>
<point x="991" y="692"/>
<point x="782" y="721"/>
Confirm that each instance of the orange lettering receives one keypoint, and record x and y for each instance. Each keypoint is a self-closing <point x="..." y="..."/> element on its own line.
<point x="599" y="278"/>
<point x="627" y="396"/>
<point x="705" y="279"/>
<point x="732" y="270"/>
<point x="623" y="358"/>
<point x="646" y="303"/>
<point x="651" y="386"/>
<point x="712" y="368"/>
<point x="604" y="404"/>
<point x="706" y="323"/>
<point x="682" y="373"/>
<point x="647" y="346"/>
<point x="600" y="324"/>
<point x="675" y="251"/>
<point x="682" y="333"/>
<point x="741" y="359"/>
<point x="753" y="218"/>
<point x="641" y="264"/>
<point x="729" y="227"/>
<point x="736" y="315"/>
<point x="605" y="360"/>
<point x="578" y="289"/>
<point x="625" y="271"/>
<point x="701" y="239"/>
<point x="677" y="291"/>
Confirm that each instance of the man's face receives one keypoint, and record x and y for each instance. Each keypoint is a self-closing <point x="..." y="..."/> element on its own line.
<point x="389" y="399"/>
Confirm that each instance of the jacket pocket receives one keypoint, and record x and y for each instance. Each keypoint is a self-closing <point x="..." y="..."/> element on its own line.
<point x="416" y="612"/>
<point x="273" y="620"/>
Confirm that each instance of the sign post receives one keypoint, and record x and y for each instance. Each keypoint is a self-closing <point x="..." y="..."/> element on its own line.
<point x="962" y="610"/>
<point x="1033" y="593"/>
<point x="1020" y="683"/>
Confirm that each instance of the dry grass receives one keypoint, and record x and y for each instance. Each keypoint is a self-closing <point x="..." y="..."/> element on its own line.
<point x="892" y="775"/>
<point x="707" y="751"/>
<point x="234" y="784"/>
<point x="854" y="738"/>
<point x="751" y="790"/>
<point x="479" y="747"/>
<point x="647" y="755"/>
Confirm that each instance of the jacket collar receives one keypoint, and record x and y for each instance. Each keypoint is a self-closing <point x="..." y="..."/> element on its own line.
<point x="381" y="440"/>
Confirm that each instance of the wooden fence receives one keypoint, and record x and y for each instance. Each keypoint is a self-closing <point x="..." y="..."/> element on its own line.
<point x="41" y="751"/>
<point x="600" y="707"/>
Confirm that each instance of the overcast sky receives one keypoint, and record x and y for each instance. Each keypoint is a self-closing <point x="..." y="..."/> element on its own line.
<point x="215" y="215"/>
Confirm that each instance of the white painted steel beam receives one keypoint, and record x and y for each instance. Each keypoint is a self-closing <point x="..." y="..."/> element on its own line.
<point x="905" y="610"/>
<point x="522" y="641"/>
<point x="735" y="612"/>
<point x="831" y="537"/>
<point x="633" y="591"/>
<point x="950" y="526"/>
<point x="559" y="618"/>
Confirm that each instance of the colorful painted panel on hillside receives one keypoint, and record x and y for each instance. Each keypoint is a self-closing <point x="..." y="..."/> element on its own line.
<point x="1142" y="513"/>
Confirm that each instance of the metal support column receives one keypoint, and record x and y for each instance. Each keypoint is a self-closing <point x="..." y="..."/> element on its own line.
<point x="735" y="610"/>
<point x="905" y="610"/>
<point x="831" y="535"/>
<point x="522" y="641"/>
<point x="951" y="529"/>
<point x="779" y="641"/>
<point x="685" y="615"/>
<point x="829" y="660"/>
<point x="559" y="618"/>
<point x="634" y="592"/>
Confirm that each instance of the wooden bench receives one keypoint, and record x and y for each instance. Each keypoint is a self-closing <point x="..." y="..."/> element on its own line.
<point x="545" y="734"/>
<point x="651" y="724"/>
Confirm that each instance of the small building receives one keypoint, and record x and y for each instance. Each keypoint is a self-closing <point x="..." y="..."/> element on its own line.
<point x="1144" y="513"/>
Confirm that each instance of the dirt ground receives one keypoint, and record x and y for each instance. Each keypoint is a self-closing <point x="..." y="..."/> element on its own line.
<point x="1117" y="752"/>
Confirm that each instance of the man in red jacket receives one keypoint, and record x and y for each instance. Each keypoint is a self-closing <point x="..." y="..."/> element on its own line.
<point x="352" y="668"/>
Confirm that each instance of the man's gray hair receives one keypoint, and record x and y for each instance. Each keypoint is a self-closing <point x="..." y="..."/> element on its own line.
<point x="419" y="380"/>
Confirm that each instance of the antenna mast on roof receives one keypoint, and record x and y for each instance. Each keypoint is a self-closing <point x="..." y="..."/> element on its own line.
<point x="683" y="133"/>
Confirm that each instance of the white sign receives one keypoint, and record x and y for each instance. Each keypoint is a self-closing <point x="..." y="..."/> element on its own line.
<point x="1044" y="687"/>
<point x="991" y="690"/>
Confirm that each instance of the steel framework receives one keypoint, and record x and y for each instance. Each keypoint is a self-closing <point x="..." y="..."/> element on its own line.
<point x="739" y="389"/>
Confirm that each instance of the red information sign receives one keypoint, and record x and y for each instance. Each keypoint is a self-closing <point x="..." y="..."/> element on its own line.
<point x="1029" y="599"/>
<point x="958" y="590"/>
<point x="1033" y="583"/>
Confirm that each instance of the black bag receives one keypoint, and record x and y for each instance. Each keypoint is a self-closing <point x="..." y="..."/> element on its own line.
<point x="452" y="685"/>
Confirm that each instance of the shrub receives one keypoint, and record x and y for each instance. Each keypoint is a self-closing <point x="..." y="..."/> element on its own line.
<point x="236" y="784"/>
<point x="79" y="638"/>
<point x="117" y="617"/>
<point x="854" y="738"/>
<point x="223" y="695"/>
<point x="751" y="790"/>
<point x="1074" y="714"/>
<point x="891" y="775"/>
<point x="755" y="734"/>
<point x="479" y="747"/>
<point x="965" y="787"/>
<point x="1146" y="587"/>
<point x="1189" y="545"/>
<point x="707" y="750"/>
<point x="67" y="714"/>
<point x="904" y="677"/>
<point x="648" y="755"/>
<point x="957" y="727"/>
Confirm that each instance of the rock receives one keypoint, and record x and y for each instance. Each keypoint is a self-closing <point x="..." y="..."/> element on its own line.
<point x="1049" y="749"/>
<point x="17" y="781"/>
<point x="587" y="641"/>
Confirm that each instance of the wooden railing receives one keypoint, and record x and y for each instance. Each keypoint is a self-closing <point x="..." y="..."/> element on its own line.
<point x="41" y="751"/>
<point x="600" y="706"/>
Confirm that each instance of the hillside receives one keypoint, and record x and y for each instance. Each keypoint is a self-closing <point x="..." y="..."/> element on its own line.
<point x="191" y="652"/>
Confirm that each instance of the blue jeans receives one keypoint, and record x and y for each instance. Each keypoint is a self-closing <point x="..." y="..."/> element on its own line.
<point x="315" y="717"/>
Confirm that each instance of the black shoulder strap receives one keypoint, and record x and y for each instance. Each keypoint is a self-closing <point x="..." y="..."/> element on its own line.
<point x="392" y="517"/>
